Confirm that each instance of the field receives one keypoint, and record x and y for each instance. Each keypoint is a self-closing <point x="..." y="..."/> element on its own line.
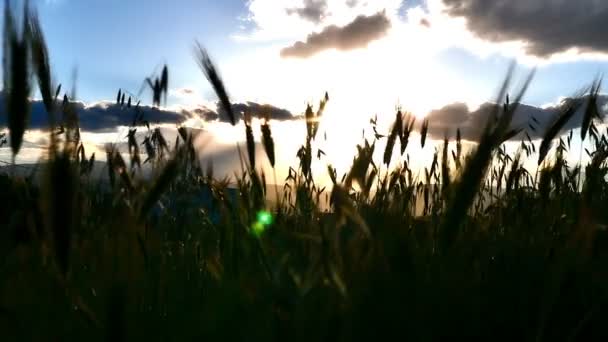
<point x="479" y="247"/>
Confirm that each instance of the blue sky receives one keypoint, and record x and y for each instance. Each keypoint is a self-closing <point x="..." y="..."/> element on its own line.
<point x="371" y="56"/>
<point x="116" y="43"/>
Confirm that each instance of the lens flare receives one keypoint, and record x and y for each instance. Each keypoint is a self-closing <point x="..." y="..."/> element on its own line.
<point x="264" y="219"/>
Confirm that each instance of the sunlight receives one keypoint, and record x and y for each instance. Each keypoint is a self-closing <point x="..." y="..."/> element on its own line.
<point x="398" y="70"/>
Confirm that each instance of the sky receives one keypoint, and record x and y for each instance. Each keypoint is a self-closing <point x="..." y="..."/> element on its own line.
<point x="441" y="59"/>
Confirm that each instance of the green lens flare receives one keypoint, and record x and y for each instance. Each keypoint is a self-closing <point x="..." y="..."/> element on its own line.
<point x="264" y="219"/>
<point x="258" y="229"/>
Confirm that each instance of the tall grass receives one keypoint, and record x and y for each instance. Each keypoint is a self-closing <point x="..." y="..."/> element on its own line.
<point x="478" y="247"/>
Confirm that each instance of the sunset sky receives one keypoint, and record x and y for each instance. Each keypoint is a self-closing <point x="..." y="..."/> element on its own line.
<point x="370" y="56"/>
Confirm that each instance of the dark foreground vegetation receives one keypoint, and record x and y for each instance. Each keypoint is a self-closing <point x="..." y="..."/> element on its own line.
<point x="480" y="247"/>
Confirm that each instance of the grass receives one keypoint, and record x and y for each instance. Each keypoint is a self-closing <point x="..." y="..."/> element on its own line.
<point x="478" y="247"/>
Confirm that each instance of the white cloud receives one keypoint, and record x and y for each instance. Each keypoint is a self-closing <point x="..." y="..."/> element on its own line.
<point x="275" y="19"/>
<point x="186" y="95"/>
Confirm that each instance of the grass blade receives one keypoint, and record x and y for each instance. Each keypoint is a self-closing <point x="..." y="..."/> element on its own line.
<point x="214" y="78"/>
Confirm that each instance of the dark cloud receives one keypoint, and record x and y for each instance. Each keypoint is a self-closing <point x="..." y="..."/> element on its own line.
<point x="205" y="114"/>
<point x="359" y="33"/>
<point x="471" y="123"/>
<point x="101" y="117"/>
<point x="313" y="10"/>
<point x="257" y="110"/>
<point x="548" y="26"/>
<point x="106" y="117"/>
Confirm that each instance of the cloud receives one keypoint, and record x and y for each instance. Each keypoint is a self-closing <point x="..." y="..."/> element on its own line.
<point x="352" y="3"/>
<point x="313" y="10"/>
<point x="425" y="22"/>
<point x="103" y="117"/>
<point x="257" y="110"/>
<point x="448" y="119"/>
<point x="546" y="27"/>
<point x="107" y="117"/>
<point x="280" y="20"/>
<point x="182" y="92"/>
<point x="357" y="34"/>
